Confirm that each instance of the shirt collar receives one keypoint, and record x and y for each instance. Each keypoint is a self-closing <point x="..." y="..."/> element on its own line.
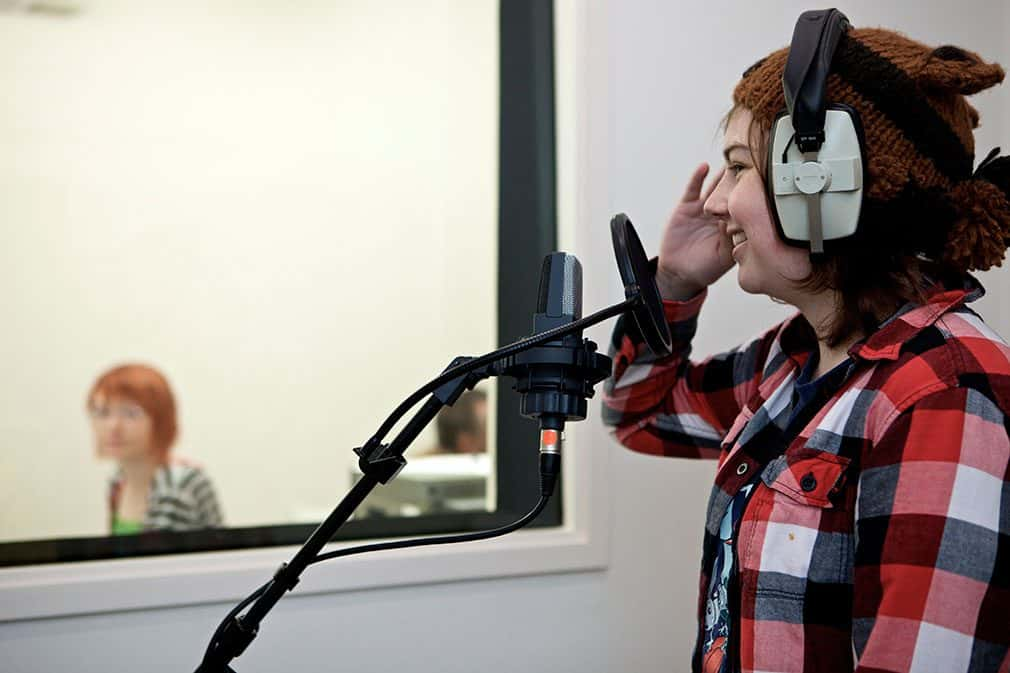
<point x="912" y="318"/>
<point x="798" y="337"/>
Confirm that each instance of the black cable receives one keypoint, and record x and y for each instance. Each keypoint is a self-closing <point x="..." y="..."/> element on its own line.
<point x="444" y="539"/>
<point x="231" y="615"/>
<point x="785" y="152"/>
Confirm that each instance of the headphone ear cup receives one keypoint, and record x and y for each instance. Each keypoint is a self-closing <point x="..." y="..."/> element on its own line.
<point x="829" y="183"/>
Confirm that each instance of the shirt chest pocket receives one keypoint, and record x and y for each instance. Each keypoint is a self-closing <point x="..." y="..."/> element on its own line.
<point x="807" y="477"/>
<point x="801" y="528"/>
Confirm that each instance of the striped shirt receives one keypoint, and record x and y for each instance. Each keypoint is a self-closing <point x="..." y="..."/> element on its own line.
<point x="181" y="498"/>
<point x="877" y="537"/>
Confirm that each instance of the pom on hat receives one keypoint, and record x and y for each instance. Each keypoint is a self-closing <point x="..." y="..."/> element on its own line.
<point x="980" y="237"/>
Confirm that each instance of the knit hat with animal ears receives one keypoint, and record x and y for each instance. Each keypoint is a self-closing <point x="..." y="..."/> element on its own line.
<point x="921" y="193"/>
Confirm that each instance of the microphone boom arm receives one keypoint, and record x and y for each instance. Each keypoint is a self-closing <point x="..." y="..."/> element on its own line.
<point x="381" y="462"/>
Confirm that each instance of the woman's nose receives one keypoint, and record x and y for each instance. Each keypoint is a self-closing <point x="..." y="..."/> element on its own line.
<point x="715" y="204"/>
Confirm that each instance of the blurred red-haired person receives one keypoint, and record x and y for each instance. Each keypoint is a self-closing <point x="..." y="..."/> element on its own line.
<point x="132" y="412"/>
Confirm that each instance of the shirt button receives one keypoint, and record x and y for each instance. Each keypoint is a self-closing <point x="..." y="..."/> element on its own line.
<point x="808" y="482"/>
<point x="742" y="468"/>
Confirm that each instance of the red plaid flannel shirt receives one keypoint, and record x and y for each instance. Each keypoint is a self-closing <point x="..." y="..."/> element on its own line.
<point x="878" y="538"/>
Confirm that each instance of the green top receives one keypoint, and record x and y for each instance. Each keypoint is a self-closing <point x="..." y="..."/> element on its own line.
<point x="126" y="526"/>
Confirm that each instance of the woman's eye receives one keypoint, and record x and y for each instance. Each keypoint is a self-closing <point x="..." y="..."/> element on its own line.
<point x="735" y="169"/>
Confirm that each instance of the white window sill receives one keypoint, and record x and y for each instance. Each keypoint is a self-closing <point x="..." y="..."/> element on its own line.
<point x="141" y="584"/>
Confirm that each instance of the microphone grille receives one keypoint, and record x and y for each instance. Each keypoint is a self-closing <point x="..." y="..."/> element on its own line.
<point x="560" y="292"/>
<point x="572" y="300"/>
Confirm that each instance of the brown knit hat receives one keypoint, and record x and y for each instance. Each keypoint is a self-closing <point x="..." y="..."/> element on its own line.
<point x="921" y="194"/>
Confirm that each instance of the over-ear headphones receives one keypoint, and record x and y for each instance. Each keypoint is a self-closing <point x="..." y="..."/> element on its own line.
<point x="816" y="152"/>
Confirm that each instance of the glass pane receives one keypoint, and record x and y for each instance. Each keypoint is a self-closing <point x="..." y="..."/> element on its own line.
<point x="288" y="209"/>
<point x="449" y="472"/>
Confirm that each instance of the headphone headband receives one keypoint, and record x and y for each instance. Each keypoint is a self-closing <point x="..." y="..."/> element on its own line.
<point x="805" y="78"/>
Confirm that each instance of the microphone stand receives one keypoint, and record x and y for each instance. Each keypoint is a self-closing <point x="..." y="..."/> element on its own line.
<point x="380" y="463"/>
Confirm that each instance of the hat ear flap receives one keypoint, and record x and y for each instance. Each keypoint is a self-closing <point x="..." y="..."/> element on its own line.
<point x="954" y="69"/>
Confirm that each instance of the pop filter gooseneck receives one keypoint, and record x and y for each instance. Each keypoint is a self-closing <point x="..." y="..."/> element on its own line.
<point x="640" y="281"/>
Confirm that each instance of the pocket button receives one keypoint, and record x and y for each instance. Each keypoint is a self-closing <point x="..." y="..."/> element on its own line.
<point x="808" y="482"/>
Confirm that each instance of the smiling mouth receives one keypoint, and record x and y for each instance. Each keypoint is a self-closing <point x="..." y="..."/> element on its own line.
<point x="738" y="238"/>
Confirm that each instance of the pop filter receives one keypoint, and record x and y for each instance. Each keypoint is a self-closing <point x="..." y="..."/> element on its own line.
<point x="640" y="281"/>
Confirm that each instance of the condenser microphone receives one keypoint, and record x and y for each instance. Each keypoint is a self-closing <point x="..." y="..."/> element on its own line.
<point x="556" y="378"/>
<point x="552" y="390"/>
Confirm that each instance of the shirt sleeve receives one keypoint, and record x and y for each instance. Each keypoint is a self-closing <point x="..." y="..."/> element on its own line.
<point x="185" y="501"/>
<point x="671" y="406"/>
<point x="932" y="566"/>
<point x="206" y="510"/>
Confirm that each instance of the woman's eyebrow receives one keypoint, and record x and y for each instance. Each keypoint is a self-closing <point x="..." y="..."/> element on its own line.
<point x="735" y="146"/>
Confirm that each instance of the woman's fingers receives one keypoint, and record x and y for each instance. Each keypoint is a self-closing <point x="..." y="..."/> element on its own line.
<point x="712" y="185"/>
<point x="693" y="189"/>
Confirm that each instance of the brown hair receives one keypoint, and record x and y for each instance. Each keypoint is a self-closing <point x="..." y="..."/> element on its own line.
<point x="460" y="418"/>
<point x="147" y="387"/>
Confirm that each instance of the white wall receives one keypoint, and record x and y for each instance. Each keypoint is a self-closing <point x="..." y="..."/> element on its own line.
<point x="656" y="77"/>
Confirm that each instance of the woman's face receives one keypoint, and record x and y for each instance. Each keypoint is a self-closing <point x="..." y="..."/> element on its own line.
<point x="766" y="265"/>
<point x="122" y="429"/>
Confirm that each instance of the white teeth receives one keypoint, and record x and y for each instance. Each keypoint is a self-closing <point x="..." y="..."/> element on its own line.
<point x="739" y="238"/>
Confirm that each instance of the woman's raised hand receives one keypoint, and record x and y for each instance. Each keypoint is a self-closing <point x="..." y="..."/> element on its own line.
<point x="695" y="250"/>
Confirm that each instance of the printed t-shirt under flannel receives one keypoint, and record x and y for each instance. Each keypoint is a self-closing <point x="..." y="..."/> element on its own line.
<point x="718" y="617"/>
